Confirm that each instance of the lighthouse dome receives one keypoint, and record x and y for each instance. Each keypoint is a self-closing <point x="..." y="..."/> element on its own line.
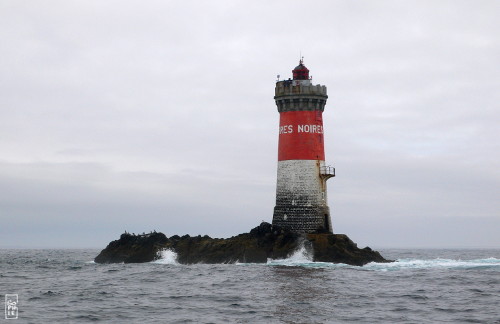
<point x="300" y="72"/>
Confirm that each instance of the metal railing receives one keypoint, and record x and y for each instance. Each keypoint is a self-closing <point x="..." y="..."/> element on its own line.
<point x="327" y="171"/>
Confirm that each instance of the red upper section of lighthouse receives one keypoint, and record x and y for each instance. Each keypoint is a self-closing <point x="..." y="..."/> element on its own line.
<point x="300" y="72"/>
<point x="301" y="136"/>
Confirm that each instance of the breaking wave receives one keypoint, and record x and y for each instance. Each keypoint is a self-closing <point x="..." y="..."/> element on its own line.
<point x="302" y="258"/>
<point x="401" y="264"/>
<point x="167" y="257"/>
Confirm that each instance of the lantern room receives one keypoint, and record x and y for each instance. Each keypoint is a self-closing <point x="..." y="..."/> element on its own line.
<point x="300" y="72"/>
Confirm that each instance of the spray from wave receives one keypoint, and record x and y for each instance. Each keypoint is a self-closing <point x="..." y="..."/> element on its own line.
<point x="167" y="257"/>
<point x="301" y="257"/>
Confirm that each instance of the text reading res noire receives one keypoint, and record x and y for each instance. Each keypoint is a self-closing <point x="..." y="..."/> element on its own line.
<point x="289" y="129"/>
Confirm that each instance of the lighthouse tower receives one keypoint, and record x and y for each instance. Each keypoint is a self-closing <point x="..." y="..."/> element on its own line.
<point x="301" y="195"/>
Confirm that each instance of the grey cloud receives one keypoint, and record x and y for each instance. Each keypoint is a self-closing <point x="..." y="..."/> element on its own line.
<point x="160" y="115"/>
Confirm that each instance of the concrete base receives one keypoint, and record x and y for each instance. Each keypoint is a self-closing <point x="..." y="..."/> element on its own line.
<point x="303" y="219"/>
<point x="301" y="197"/>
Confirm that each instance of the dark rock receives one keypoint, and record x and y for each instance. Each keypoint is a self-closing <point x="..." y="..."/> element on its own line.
<point x="338" y="248"/>
<point x="132" y="248"/>
<point x="260" y="244"/>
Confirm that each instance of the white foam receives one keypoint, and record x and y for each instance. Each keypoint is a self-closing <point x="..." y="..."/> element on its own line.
<point x="434" y="264"/>
<point x="303" y="258"/>
<point x="167" y="257"/>
<point x="300" y="257"/>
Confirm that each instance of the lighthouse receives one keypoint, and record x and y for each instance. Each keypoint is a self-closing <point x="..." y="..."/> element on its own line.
<point x="301" y="195"/>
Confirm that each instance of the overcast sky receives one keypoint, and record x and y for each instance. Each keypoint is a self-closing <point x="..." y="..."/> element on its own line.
<point x="159" y="115"/>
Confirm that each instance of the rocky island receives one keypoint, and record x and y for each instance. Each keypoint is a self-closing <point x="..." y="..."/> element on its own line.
<point x="260" y="244"/>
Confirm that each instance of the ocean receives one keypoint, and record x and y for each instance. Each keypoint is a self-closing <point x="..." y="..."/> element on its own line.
<point x="422" y="286"/>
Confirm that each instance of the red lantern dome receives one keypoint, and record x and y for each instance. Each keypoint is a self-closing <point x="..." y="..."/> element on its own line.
<point x="300" y="72"/>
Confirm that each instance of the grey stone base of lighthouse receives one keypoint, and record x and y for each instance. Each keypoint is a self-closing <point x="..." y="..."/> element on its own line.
<point x="301" y="197"/>
<point x="303" y="219"/>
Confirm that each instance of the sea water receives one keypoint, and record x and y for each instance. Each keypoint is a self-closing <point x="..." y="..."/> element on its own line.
<point x="422" y="286"/>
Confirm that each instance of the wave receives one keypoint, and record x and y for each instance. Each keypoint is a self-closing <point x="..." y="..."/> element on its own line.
<point x="303" y="258"/>
<point x="167" y="257"/>
<point x="299" y="260"/>
<point x="439" y="263"/>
